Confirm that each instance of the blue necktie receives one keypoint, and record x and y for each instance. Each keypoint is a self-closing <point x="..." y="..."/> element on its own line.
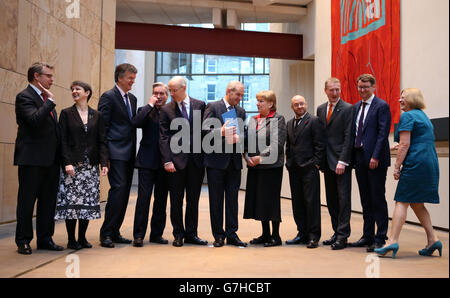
<point x="184" y="111"/>
<point x="130" y="114"/>
<point x="360" y="127"/>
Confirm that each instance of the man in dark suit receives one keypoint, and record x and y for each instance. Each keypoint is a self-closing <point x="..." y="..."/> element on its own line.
<point x="37" y="154"/>
<point x="182" y="158"/>
<point x="304" y="151"/>
<point x="372" y="157"/>
<point x="150" y="170"/>
<point x="118" y="107"/>
<point x="336" y="115"/>
<point x="224" y="166"/>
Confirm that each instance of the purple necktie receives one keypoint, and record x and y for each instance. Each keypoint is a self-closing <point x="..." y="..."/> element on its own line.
<point x="360" y="127"/>
<point x="184" y="111"/>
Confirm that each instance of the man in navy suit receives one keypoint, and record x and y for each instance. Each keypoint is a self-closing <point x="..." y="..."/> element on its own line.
<point x="224" y="168"/>
<point x="36" y="152"/>
<point x="182" y="157"/>
<point x="371" y="156"/>
<point x="118" y="107"/>
<point x="150" y="170"/>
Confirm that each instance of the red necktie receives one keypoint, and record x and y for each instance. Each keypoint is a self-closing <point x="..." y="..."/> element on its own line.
<point x="45" y="97"/>
<point x="330" y="111"/>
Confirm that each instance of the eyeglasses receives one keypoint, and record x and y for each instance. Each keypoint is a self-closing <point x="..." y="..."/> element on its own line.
<point x="48" y="75"/>
<point x="364" y="87"/>
<point x="159" y="93"/>
<point x="174" y="90"/>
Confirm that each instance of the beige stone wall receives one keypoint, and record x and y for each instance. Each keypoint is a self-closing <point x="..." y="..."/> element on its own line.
<point x="79" y="48"/>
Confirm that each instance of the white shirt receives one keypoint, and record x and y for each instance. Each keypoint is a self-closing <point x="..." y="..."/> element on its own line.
<point x="123" y="96"/>
<point x="39" y="92"/>
<point x="366" y="109"/>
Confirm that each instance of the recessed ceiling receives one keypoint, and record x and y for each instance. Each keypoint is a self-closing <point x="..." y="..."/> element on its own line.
<point x="200" y="11"/>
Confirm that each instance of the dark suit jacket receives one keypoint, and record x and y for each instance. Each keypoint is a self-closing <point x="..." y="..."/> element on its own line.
<point x="120" y="131"/>
<point x="148" y="155"/>
<point x="375" y="132"/>
<point x="38" y="135"/>
<point x="338" y="133"/>
<point x="221" y="160"/>
<point x="74" y="139"/>
<point x="170" y="112"/>
<point x="304" y="144"/>
<point x="273" y="144"/>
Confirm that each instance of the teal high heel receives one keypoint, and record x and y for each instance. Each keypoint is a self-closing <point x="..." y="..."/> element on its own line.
<point x="429" y="251"/>
<point x="383" y="250"/>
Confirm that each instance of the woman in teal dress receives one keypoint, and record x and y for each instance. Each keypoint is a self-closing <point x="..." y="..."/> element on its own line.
<point x="417" y="172"/>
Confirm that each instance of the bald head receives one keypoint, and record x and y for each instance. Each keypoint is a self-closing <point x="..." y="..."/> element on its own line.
<point x="177" y="88"/>
<point x="299" y="105"/>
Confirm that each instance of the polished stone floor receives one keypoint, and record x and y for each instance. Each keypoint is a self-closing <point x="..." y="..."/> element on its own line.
<point x="190" y="261"/>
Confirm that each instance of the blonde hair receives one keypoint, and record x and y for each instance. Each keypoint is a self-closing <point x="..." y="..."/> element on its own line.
<point x="331" y="80"/>
<point x="414" y="98"/>
<point x="268" y="96"/>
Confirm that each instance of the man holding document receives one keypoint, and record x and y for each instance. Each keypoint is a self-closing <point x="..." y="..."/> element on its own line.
<point x="223" y="162"/>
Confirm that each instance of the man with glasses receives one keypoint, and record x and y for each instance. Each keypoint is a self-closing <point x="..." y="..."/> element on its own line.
<point x="150" y="171"/>
<point x="36" y="153"/>
<point x="182" y="159"/>
<point x="224" y="168"/>
<point x="371" y="126"/>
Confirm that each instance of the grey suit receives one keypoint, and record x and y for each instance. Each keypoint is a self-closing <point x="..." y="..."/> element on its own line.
<point x="338" y="144"/>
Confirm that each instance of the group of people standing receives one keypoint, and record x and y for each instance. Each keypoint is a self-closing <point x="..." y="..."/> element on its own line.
<point x="59" y="163"/>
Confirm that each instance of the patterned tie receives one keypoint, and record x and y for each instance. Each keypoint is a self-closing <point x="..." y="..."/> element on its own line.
<point x="330" y="111"/>
<point x="44" y="98"/>
<point x="358" y="138"/>
<point x="230" y="108"/>
<point x="184" y="111"/>
<point x="127" y="102"/>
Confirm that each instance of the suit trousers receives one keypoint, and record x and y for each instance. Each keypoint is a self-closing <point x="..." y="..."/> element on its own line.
<point x="189" y="179"/>
<point x="120" y="177"/>
<point x="372" y="190"/>
<point x="224" y="185"/>
<point x="338" y="189"/>
<point x="39" y="183"/>
<point x="150" y="179"/>
<point x="305" y="190"/>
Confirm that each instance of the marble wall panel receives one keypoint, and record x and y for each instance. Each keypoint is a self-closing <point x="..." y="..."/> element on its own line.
<point x="39" y="32"/>
<point x="24" y="37"/>
<point x="8" y="33"/>
<point x="9" y="127"/>
<point x="109" y="12"/>
<point x="108" y="36"/>
<point x="9" y="184"/>
<point x="90" y="25"/>
<point x="107" y="71"/>
<point x="11" y="83"/>
<point x="94" y="6"/>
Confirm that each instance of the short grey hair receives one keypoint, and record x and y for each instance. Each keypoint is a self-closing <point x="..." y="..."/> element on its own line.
<point x="160" y="84"/>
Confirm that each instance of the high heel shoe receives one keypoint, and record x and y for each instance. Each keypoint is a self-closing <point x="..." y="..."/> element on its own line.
<point x="383" y="250"/>
<point x="429" y="251"/>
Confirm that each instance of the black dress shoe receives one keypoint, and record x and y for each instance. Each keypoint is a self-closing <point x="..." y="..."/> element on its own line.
<point x="24" y="249"/>
<point x="236" y="241"/>
<point x="313" y="244"/>
<point x="297" y="240"/>
<point x="120" y="239"/>
<point x="159" y="240"/>
<point x="195" y="240"/>
<point x="273" y="242"/>
<point x="50" y="245"/>
<point x="372" y="247"/>
<point x="138" y="242"/>
<point x="85" y="244"/>
<point x="330" y="241"/>
<point x="178" y="242"/>
<point x="107" y="242"/>
<point x="260" y="240"/>
<point x="218" y="242"/>
<point x="74" y="245"/>
<point x="361" y="242"/>
<point x="339" y="244"/>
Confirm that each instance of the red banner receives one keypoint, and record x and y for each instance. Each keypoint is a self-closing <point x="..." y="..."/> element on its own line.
<point x="366" y="39"/>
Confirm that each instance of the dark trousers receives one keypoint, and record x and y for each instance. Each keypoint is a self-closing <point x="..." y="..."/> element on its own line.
<point x="338" y="189"/>
<point x="372" y="190"/>
<point x="39" y="183"/>
<point x="149" y="179"/>
<point x="223" y="185"/>
<point x="305" y="191"/>
<point x="120" y="177"/>
<point x="189" y="179"/>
